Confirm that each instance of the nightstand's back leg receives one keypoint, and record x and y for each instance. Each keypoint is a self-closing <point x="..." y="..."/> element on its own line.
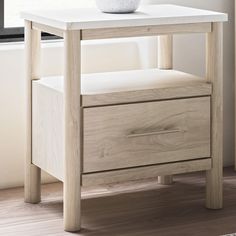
<point x="32" y="173"/>
<point x="165" y="62"/>
<point x="72" y="130"/>
<point x="214" y="73"/>
<point x="165" y="52"/>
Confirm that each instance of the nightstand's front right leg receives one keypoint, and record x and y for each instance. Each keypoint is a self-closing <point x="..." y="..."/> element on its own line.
<point x="214" y="73"/>
<point x="72" y="132"/>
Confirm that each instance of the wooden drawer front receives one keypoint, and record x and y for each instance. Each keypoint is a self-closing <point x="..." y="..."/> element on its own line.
<point x="146" y="133"/>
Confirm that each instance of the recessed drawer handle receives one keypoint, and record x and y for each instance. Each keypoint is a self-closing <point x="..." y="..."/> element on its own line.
<point x="155" y="133"/>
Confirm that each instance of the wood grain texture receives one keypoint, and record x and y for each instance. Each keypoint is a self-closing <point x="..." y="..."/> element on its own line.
<point x="134" y="86"/>
<point x="165" y="62"/>
<point x="48" y="111"/>
<point x="32" y="173"/>
<point x="128" y="209"/>
<point x="48" y="130"/>
<point x="107" y="144"/>
<point x="139" y="173"/>
<point x="48" y="29"/>
<point x="214" y="71"/>
<point x="138" y="31"/>
<point x="72" y="131"/>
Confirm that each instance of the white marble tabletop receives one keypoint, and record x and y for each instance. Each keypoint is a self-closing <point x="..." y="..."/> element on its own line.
<point x="90" y="18"/>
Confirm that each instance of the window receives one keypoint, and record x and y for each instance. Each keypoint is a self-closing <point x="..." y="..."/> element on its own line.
<point x="11" y="25"/>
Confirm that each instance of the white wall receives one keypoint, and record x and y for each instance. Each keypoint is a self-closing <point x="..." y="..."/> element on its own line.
<point x="103" y="56"/>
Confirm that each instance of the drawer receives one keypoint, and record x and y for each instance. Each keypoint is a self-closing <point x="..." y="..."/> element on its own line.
<point x="140" y="134"/>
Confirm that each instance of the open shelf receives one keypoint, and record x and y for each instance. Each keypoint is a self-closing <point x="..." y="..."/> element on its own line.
<point x="133" y="86"/>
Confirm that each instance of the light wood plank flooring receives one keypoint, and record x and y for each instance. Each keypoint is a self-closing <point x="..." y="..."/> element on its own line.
<point x="140" y="209"/>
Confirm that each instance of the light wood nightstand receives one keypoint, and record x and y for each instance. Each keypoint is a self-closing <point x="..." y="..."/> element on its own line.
<point x="110" y="127"/>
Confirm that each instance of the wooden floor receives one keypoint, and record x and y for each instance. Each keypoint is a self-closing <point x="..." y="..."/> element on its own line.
<point x="142" y="208"/>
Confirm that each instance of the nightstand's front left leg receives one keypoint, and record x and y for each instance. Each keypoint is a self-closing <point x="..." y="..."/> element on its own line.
<point x="165" y="62"/>
<point x="32" y="172"/>
<point x="72" y="131"/>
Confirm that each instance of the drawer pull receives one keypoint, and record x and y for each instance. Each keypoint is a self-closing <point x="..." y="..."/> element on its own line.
<point x="160" y="132"/>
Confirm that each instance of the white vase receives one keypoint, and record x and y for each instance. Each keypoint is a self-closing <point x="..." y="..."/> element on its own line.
<point x="118" y="6"/>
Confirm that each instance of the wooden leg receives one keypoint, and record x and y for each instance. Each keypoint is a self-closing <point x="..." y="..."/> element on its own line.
<point x="32" y="173"/>
<point x="165" y="180"/>
<point x="214" y="177"/>
<point x="72" y="130"/>
<point x="165" y="52"/>
<point x="165" y="62"/>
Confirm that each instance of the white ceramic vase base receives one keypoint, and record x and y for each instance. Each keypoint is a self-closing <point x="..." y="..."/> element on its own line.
<point x="118" y="6"/>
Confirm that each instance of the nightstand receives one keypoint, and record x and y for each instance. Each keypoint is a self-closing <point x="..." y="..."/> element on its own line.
<point x="110" y="127"/>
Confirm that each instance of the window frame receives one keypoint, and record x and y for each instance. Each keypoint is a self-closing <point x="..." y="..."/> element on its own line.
<point x="15" y="34"/>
